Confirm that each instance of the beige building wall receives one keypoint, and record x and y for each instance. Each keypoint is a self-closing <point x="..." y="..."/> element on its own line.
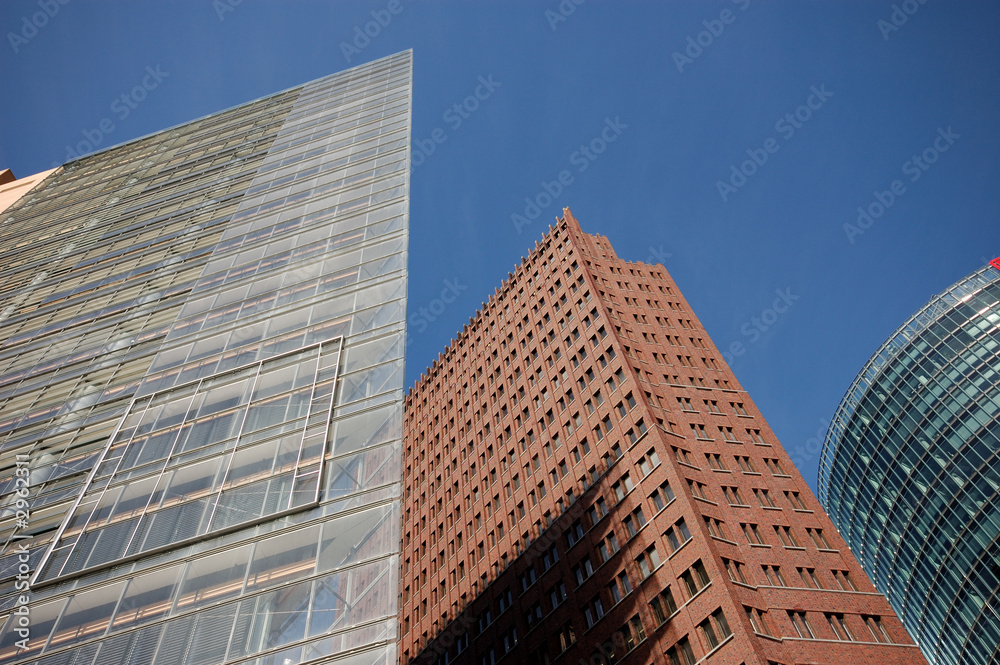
<point x="11" y="190"/>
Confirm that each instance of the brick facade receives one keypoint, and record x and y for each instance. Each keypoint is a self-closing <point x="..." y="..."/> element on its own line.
<point x="586" y="481"/>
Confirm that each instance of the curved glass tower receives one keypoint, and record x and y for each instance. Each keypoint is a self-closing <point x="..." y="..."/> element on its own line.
<point x="910" y="471"/>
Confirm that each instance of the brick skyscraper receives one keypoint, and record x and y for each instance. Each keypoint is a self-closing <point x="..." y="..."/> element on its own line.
<point x="585" y="481"/>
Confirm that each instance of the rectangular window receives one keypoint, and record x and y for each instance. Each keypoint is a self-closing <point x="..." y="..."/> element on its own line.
<point x="774" y="576"/>
<point x="715" y="629"/>
<point x="877" y="630"/>
<point x="593" y="611"/>
<point x="809" y="579"/>
<point x="839" y="628"/>
<point x="583" y="570"/>
<point x="663" y="605"/>
<point x="677" y="535"/>
<point x="648" y="561"/>
<point x="801" y="623"/>
<point x="818" y="539"/>
<point x="716" y="528"/>
<point x="785" y="536"/>
<point x="681" y="653"/>
<point x="662" y="495"/>
<point x="752" y="533"/>
<point x="619" y="587"/>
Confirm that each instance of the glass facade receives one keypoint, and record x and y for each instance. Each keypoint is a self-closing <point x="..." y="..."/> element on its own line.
<point x="202" y="341"/>
<point x="910" y="471"/>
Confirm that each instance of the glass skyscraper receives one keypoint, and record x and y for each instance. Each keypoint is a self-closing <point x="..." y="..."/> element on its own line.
<point x="201" y="371"/>
<point x="910" y="471"/>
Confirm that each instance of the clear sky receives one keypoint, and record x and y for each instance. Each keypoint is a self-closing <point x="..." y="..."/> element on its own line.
<point x="746" y="136"/>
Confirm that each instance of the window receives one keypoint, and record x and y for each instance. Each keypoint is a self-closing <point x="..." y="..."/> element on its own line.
<point x="681" y="653"/>
<point x="607" y="547"/>
<point x="745" y="464"/>
<point x="796" y="501"/>
<point x="593" y="611"/>
<point x="716" y="528"/>
<point x="715" y="462"/>
<point x="699" y="432"/>
<point x="715" y="629"/>
<point x="786" y="536"/>
<point x="575" y="533"/>
<point x="648" y="462"/>
<point x="648" y="561"/>
<point x="620" y="587"/>
<point x="663" y="605"/>
<point x="677" y="535"/>
<point x="597" y="511"/>
<point x="550" y="557"/>
<point x="634" y="522"/>
<point x="695" y="578"/>
<point x="738" y="408"/>
<point x="632" y="633"/>
<point x="697" y="489"/>
<point x="755" y="436"/>
<point x="878" y="631"/>
<point x="733" y="496"/>
<point x="683" y="456"/>
<point x="735" y="570"/>
<point x="753" y="534"/>
<point x="764" y="498"/>
<point x="774" y="576"/>
<point x="712" y="406"/>
<point x="801" y="624"/>
<point x="583" y="570"/>
<point x="774" y="466"/>
<point x="809" y="579"/>
<point x="534" y="614"/>
<point x="838" y="627"/>
<point x="566" y="637"/>
<point x="661" y="496"/>
<point x="557" y="594"/>
<point x="757" y="620"/>
<point x="622" y="487"/>
<point x="818" y="539"/>
<point x="843" y="578"/>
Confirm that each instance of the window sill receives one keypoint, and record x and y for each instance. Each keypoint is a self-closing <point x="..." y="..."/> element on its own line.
<point x="765" y="545"/>
<point x="771" y="508"/>
<point x="794" y="548"/>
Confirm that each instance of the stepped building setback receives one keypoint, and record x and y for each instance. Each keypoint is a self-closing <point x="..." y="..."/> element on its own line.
<point x="585" y="481"/>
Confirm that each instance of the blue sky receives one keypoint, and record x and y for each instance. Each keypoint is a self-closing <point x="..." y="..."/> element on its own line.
<point x="748" y="133"/>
